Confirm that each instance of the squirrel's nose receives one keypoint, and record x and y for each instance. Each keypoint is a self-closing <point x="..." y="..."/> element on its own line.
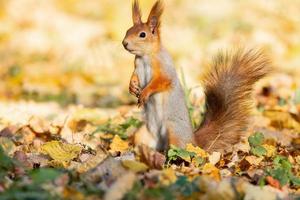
<point x="125" y="43"/>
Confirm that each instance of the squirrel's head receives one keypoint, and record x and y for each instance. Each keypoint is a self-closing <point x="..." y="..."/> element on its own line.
<point x="144" y="38"/>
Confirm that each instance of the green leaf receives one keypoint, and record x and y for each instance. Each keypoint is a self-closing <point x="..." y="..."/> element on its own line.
<point x="118" y="129"/>
<point x="261" y="181"/>
<point x="258" y="151"/>
<point x="184" y="186"/>
<point x="175" y="152"/>
<point x="199" y="161"/>
<point x="44" y="174"/>
<point x="281" y="161"/>
<point x="6" y="162"/>
<point x="295" y="180"/>
<point x="256" y="139"/>
<point x="131" y="122"/>
<point x="281" y="175"/>
<point x="172" y="154"/>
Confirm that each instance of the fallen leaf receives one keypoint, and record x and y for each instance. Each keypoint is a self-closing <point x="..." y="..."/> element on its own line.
<point x="211" y="170"/>
<point x="258" y="150"/>
<point x="134" y="166"/>
<point x="282" y="120"/>
<point x="214" y="158"/>
<point x="254" y="160"/>
<point x="8" y="146"/>
<point x="71" y="193"/>
<point x="39" y="125"/>
<point x="168" y="176"/>
<point x="273" y="182"/>
<point x="60" y="151"/>
<point x="118" y="145"/>
<point x="197" y="150"/>
<point x="271" y="150"/>
<point x="151" y="157"/>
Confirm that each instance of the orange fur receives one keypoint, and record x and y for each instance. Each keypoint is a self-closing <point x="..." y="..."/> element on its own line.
<point x="173" y="138"/>
<point x="136" y="13"/>
<point x="159" y="82"/>
<point x="154" y="16"/>
<point x="143" y="136"/>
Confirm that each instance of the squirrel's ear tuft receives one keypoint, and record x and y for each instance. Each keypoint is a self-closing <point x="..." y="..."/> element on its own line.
<point x="154" y="16"/>
<point x="136" y="13"/>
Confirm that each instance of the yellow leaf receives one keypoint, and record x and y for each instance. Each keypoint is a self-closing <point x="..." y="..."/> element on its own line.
<point x="168" y="176"/>
<point x="61" y="151"/>
<point x="58" y="164"/>
<point x="282" y="120"/>
<point x="106" y="136"/>
<point x="197" y="150"/>
<point x="118" y="145"/>
<point x="135" y="166"/>
<point x="70" y="193"/>
<point x="211" y="170"/>
<point x="271" y="150"/>
<point x="254" y="160"/>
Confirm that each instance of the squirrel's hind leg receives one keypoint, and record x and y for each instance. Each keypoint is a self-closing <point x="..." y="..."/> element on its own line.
<point x="179" y="135"/>
<point x="144" y="137"/>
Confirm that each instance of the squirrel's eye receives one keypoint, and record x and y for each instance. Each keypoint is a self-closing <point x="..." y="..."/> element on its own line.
<point x="142" y="35"/>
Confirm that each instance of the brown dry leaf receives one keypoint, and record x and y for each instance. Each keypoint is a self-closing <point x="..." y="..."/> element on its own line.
<point x="61" y="151"/>
<point x="90" y="163"/>
<point x="77" y="125"/>
<point x="168" y="176"/>
<point x="282" y="120"/>
<point x="211" y="170"/>
<point x="197" y="150"/>
<point x="118" y="145"/>
<point x="134" y="166"/>
<point x="9" y="131"/>
<point x="22" y="158"/>
<point x="151" y="157"/>
<point x="254" y="160"/>
<point x="39" y="125"/>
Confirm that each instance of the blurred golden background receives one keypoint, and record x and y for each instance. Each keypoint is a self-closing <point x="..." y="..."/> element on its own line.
<point x="70" y="51"/>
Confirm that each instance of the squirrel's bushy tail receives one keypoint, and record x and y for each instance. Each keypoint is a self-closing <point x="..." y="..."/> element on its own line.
<point x="228" y="88"/>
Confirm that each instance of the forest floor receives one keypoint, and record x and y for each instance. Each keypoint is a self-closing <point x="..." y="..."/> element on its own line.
<point x="67" y="119"/>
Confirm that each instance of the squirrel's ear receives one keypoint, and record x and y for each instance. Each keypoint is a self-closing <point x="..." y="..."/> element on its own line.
<point x="136" y="13"/>
<point x="154" y="16"/>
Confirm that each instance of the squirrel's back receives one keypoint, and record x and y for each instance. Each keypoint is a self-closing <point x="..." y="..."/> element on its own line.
<point x="228" y="88"/>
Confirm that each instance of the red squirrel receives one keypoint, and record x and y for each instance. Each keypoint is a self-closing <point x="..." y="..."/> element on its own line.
<point x="227" y="87"/>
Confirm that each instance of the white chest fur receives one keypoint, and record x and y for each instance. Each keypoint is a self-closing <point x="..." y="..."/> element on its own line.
<point x="143" y="70"/>
<point x="153" y="108"/>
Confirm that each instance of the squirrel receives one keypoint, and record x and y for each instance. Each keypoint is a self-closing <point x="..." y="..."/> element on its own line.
<point x="227" y="88"/>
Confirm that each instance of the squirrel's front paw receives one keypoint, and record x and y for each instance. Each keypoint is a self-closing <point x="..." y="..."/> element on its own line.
<point x="134" y="87"/>
<point x="143" y="98"/>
